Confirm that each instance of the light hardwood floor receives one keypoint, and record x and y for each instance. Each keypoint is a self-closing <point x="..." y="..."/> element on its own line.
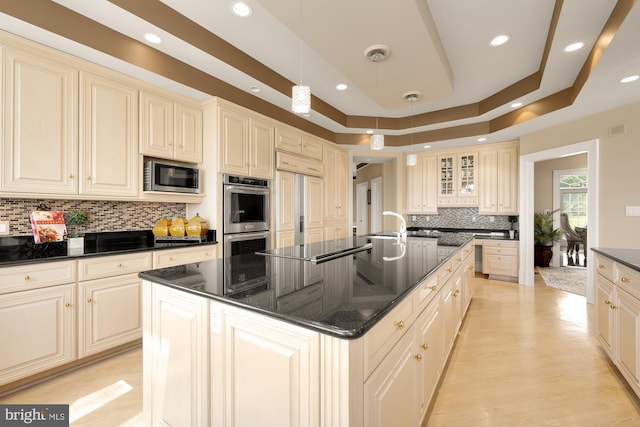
<point x="525" y="356"/>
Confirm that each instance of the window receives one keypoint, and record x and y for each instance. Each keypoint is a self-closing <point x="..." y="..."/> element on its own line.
<point x="573" y="197"/>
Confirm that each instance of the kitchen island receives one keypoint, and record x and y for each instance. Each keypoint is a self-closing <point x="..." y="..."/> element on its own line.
<point x="358" y="340"/>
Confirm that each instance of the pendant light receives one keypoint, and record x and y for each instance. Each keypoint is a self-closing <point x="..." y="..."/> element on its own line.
<point x="411" y="97"/>
<point x="300" y="94"/>
<point x="375" y="54"/>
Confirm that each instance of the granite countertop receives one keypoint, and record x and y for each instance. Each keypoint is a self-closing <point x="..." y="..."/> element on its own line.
<point x="343" y="297"/>
<point x="478" y="233"/>
<point x="628" y="257"/>
<point x="21" y="250"/>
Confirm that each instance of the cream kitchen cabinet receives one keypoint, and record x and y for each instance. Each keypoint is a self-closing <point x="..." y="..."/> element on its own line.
<point x="500" y="258"/>
<point x="245" y="143"/>
<point x="422" y="186"/>
<point x="285" y="202"/>
<point x="40" y="137"/>
<point x="109" y="301"/>
<point x="498" y="180"/>
<point x="179" y="256"/>
<point x="170" y="128"/>
<point x="297" y="142"/>
<point x="37" y="331"/>
<point x="109" y="163"/>
<point x="457" y="179"/>
<point x="336" y="204"/>
<point x="176" y="370"/>
<point x="283" y="356"/>
<point x="313" y="203"/>
<point x="617" y="305"/>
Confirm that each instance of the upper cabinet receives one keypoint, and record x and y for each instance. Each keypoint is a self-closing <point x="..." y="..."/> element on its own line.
<point x="422" y="181"/>
<point x="170" y="129"/>
<point x="457" y="175"/>
<point x="245" y="143"/>
<point x="295" y="141"/>
<point x="498" y="180"/>
<point x="108" y="137"/>
<point x="40" y="141"/>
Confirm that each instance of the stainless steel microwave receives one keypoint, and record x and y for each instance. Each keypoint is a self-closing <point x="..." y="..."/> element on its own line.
<point x="173" y="177"/>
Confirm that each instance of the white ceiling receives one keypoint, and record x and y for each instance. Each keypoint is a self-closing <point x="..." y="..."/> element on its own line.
<point x="438" y="47"/>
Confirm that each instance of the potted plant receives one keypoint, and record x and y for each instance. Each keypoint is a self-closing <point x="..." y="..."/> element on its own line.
<point x="74" y="218"/>
<point x="512" y="220"/>
<point x="544" y="236"/>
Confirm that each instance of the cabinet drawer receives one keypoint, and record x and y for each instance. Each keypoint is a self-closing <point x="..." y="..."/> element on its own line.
<point x="467" y="250"/>
<point x="500" y="265"/>
<point x="297" y="164"/>
<point x="383" y="336"/>
<point x="444" y="272"/>
<point x="426" y="292"/>
<point x="503" y="251"/>
<point x="604" y="266"/>
<point x="627" y="278"/>
<point x="97" y="268"/>
<point x="23" y="277"/>
<point x="171" y="257"/>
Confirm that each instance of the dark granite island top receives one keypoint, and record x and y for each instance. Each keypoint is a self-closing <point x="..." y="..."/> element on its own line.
<point x="343" y="297"/>
<point x="628" y="257"/>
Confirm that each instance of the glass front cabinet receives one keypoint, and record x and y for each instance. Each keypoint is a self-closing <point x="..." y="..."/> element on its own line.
<point x="458" y="182"/>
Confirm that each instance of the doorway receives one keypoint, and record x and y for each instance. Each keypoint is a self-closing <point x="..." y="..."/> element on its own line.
<point x="527" y="206"/>
<point x="376" y="204"/>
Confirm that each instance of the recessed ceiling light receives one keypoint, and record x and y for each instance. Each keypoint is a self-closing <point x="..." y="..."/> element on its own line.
<point x="370" y="132"/>
<point x="573" y="46"/>
<point x="341" y="86"/>
<point x="499" y="40"/>
<point x="254" y="89"/>
<point x="241" y="9"/>
<point x="152" y="38"/>
<point x="482" y="139"/>
<point x="516" y="105"/>
<point x="630" y="79"/>
<point x="427" y="146"/>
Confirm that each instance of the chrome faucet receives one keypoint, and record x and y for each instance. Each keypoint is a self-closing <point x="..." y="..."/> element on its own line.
<point x="402" y="234"/>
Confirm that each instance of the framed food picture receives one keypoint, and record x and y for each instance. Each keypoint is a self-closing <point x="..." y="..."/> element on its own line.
<point x="48" y="226"/>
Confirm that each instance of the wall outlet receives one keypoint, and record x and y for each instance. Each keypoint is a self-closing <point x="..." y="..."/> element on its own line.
<point x="4" y="228"/>
<point x="427" y="218"/>
<point x="633" y="210"/>
<point x="492" y="219"/>
<point x="473" y="219"/>
<point x="413" y="217"/>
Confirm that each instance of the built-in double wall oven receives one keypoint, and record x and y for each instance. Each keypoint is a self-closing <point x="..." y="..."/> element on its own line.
<point x="246" y="230"/>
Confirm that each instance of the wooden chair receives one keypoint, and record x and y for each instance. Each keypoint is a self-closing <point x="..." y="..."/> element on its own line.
<point x="574" y="240"/>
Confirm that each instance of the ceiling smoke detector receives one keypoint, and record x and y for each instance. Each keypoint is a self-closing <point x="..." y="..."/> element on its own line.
<point x="377" y="52"/>
<point x="411" y="96"/>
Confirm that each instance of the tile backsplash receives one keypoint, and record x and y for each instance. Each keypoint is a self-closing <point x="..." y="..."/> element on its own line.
<point x="103" y="216"/>
<point x="461" y="218"/>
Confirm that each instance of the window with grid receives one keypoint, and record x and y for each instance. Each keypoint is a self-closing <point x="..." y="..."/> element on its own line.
<point x="573" y="198"/>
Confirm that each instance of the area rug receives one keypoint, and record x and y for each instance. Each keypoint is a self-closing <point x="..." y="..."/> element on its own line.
<point x="569" y="279"/>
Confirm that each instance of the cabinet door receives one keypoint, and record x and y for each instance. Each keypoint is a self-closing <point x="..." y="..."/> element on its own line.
<point x="628" y="338"/>
<point x="233" y="137"/>
<point x="447" y="167"/>
<point x="262" y="149"/>
<point x="466" y="171"/>
<point x="313" y="202"/>
<point x="430" y="342"/>
<point x="488" y="182"/>
<point x="341" y="187"/>
<point x="285" y="199"/>
<point x="156" y="126"/>
<point x="175" y="362"/>
<point x="109" y="137"/>
<point x="507" y="184"/>
<point x="390" y="393"/>
<point x="330" y="183"/>
<point x="284" y="358"/>
<point x="604" y="314"/>
<point x="109" y="313"/>
<point x="288" y="140"/>
<point x="448" y="316"/>
<point x="188" y="133"/>
<point x="422" y="186"/>
<point x="37" y="331"/>
<point x="40" y="144"/>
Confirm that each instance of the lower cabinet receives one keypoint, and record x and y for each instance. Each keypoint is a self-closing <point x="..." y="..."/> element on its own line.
<point x="109" y="313"/>
<point x="500" y="258"/>
<point x="211" y="363"/>
<point x="617" y="304"/>
<point x="175" y="358"/>
<point x="37" y="331"/>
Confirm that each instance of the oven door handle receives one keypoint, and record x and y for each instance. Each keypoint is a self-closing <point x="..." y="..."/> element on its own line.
<point x="244" y="189"/>
<point x="246" y="236"/>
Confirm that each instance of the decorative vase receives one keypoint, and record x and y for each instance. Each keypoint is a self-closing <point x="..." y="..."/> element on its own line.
<point x="543" y="255"/>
